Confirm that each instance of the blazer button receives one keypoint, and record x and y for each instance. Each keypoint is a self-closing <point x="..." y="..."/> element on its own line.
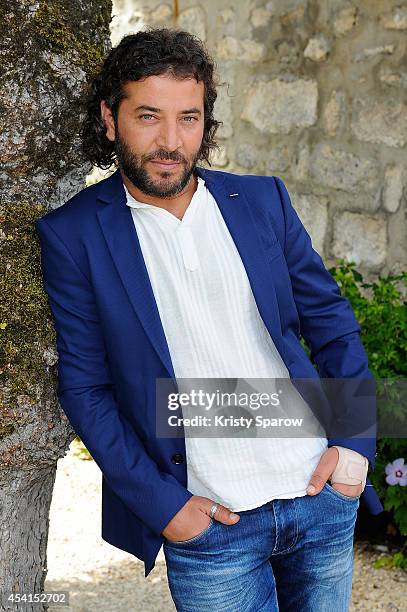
<point x="177" y="458"/>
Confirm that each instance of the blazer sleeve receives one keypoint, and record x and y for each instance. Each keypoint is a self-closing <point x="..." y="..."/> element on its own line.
<point x="327" y="321"/>
<point x="86" y="391"/>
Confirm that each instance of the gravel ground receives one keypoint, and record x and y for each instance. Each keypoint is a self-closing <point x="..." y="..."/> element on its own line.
<point x="102" y="578"/>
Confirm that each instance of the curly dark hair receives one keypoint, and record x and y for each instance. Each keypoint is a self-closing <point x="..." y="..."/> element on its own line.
<point x="153" y="51"/>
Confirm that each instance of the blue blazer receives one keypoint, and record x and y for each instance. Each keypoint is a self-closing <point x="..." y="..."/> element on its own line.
<point x="112" y="347"/>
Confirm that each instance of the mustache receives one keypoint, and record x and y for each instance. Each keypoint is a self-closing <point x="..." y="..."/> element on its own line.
<point x="163" y="156"/>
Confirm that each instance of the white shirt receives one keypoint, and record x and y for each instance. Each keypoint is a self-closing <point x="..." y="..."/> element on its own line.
<point x="214" y="330"/>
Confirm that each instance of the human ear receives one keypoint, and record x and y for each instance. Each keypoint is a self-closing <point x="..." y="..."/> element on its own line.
<point x="108" y="120"/>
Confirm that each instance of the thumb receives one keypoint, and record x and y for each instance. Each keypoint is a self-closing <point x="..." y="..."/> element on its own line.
<point x="322" y="472"/>
<point x="224" y="515"/>
<point x="316" y="484"/>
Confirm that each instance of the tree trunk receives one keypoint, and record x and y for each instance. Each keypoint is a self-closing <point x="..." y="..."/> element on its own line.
<point x="25" y="500"/>
<point x="49" y="51"/>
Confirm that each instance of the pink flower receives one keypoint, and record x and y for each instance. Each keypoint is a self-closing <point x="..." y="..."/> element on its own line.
<point x="396" y="472"/>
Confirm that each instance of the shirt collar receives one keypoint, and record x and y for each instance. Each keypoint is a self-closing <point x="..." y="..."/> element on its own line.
<point x="133" y="203"/>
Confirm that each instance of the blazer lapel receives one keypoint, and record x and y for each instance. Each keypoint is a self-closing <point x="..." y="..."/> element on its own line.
<point x="121" y="236"/>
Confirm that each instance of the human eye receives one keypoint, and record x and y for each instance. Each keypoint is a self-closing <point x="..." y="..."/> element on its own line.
<point x="146" y="115"/>
<point x="190" y="117"/>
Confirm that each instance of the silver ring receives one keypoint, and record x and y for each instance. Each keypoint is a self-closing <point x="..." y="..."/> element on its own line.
<point x="213" y="510"/>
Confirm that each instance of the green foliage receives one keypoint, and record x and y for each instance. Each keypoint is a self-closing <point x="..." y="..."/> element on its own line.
<point x="382" y="314"/>
<point x="79" y="450"/>
<point x="390" y="561"/>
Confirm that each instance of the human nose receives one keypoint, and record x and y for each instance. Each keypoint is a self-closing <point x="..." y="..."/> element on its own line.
<point x="169" y="136"/>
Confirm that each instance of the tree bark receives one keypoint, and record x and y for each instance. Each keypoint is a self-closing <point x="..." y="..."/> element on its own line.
<point x="49" y="51"/>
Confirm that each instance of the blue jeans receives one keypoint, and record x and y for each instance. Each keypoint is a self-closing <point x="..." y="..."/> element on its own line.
<point x="288" y="554"/>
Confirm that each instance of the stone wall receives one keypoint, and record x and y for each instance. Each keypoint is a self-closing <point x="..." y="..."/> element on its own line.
<point x="313" y="92"/>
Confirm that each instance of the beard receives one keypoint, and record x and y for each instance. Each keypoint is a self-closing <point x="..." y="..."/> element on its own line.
<point x="133" y="166"/>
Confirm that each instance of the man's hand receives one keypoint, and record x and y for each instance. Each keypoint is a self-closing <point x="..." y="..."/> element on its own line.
<point x="194" y="517"/>
<point x="324" y="470"/>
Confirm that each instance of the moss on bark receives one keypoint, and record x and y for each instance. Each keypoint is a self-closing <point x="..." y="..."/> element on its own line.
<point x="54" y="34"/>
<point x="50" y="50"/>
<point x="26" y="332"/>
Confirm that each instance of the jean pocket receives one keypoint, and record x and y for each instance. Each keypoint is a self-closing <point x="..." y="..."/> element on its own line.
<point x="193" y="540"/>
<point x="341" y="495"/>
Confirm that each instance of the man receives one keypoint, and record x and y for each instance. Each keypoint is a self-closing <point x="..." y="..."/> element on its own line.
<point x="169" y="270"/>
